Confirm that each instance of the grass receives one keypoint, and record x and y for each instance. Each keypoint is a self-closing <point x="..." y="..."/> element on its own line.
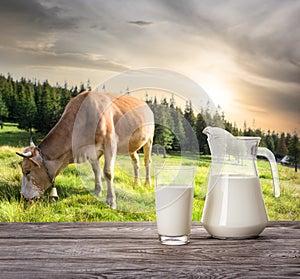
<point x="10" y="135"/>
<point x="135" y="203"/>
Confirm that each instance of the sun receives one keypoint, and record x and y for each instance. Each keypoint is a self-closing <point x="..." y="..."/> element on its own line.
<point x="219" y="93"/>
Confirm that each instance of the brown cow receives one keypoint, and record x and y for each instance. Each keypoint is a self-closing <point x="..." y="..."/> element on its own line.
<point x="93" y="124"/>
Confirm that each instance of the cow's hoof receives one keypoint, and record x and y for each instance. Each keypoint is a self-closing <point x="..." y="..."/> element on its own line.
<point x="137" y="182"/>
<point x="148" y="183"/>
<point x="98" y="193"/>
<point x="112" y="203"/>
<point x="113" y="206"/>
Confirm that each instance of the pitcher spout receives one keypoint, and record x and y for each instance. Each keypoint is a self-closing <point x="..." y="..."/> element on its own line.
<point x="216" y="133"/>
<point x="207" y="130"/>
<point x="218" y="140"/>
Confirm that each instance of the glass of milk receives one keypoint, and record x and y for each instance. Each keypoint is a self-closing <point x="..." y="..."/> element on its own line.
<point x="174" y="192"/>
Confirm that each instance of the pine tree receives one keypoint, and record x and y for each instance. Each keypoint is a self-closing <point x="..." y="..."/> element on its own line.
<point x="82" y="88"/>
<point x="288" y="138"/>
<point x="294" y="151"/>
<point x="9" y="97"/>
<point x="3" y="110"/>
<point x="64" y="96"/>
<point x="89" y="87"/>
<point x="46" y="116"/>
<point x="74" y="91"/>
<point x="281" y="149"/>
<point x="202" y="139"/>
<point x="207" y="115"/>
<point x="218" y="118"/>
<point x="163" y="135"/>
<point x="178" y="130"/>
<point x="275" y="138"/>
<point x="189" y="126"/>
<point x="26" y="105"/>
<point x="270" y="142"/>
<point x="189" y="114"/>
<point x="231" y="128"/>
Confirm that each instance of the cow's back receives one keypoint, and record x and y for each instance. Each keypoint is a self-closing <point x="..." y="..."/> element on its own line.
<point x="133" y="122"/>
<point x="105" y="115"/>
<point x="92" y="117"/>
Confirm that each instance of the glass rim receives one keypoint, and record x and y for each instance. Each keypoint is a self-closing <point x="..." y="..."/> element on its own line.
<point x="175" y="168"/>
<point x="157" y="170"/>
<point x="188" y="171"/>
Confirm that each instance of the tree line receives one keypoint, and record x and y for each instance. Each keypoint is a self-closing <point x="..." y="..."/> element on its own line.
<point x="37" y="106"/>
<point x="33" y="105"/>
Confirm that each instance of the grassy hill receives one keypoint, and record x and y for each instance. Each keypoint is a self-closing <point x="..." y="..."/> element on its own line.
<point x="135" y="203"/>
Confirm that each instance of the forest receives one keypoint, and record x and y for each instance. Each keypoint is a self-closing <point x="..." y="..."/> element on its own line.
<point x="37" y="107"/>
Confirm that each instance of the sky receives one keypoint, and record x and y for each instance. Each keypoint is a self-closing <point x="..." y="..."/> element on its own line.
<point x="244" y="54"/>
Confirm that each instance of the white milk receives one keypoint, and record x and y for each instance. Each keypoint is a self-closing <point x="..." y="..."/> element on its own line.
<point x="174" y="205"/>
<point x="234" y="207"/>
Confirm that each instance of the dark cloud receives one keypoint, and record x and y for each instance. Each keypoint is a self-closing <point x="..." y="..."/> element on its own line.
<point x="273" y="69"/>
<point x="34" y="13"/>
<point x="30" y="8"/>
<point x="32" y="21"/>
<point x="140" y="22"/>
<point x="269" y="100"/>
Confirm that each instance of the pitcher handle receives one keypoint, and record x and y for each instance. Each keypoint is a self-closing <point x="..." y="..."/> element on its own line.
<point x="265" y="152"/>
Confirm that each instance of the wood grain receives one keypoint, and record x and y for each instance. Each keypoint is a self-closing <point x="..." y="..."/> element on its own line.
<point x="132" y="250"/>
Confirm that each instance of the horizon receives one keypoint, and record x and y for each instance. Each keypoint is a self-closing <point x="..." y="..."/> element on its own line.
<point x="245" y="55"/>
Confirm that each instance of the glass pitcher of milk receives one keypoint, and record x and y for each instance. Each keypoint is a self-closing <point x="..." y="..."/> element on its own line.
<point x="234" y="205"/>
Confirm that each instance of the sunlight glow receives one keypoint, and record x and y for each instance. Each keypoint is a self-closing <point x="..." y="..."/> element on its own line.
<point x="218" y="92"/>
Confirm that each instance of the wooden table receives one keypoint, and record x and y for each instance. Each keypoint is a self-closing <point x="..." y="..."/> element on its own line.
<point x="132" y="250"/>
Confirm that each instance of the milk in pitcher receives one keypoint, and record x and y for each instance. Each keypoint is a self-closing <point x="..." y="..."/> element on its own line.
<point x="234" y="206"/>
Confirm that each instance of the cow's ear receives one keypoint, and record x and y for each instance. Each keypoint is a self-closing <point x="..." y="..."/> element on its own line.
<point x="34" y="160"/>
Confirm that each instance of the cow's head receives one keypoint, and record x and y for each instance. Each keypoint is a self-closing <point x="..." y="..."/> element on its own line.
<point x="35" y="179"/>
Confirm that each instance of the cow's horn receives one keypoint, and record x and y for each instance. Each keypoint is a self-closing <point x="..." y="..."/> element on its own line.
<point x="31" y="142"/>
<point x="25" y="155"/>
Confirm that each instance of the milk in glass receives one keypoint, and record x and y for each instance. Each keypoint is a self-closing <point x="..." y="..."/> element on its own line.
<point x="174" y="205"/>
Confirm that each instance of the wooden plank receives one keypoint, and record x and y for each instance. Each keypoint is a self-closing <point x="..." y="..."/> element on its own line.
<point x="131" y="250"/>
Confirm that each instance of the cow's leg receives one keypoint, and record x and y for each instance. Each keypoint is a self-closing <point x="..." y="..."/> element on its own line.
<point x="109" y="161"/>
<point x="97" y="172"/>
<point x="136" y="166"/>
<point x="147" y="160"/>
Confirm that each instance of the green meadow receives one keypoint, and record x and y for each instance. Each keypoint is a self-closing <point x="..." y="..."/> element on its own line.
<point x="135" y="202"/>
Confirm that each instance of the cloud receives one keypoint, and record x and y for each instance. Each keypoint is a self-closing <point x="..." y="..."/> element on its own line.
<point x="270" y="100"/>
<point x="282" y="70"/>
<point x="263" y="39"/>
<point x="36" y="14"/>
<point x="140" y="22"/>
<point x="30" y="58"/>
<point x="254" y="43"/>
<point x="32" y="21"/>
<point x="53" y="34"/>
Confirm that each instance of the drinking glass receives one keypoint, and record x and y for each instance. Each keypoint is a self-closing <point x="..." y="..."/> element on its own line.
<point x="174" y="191"/>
